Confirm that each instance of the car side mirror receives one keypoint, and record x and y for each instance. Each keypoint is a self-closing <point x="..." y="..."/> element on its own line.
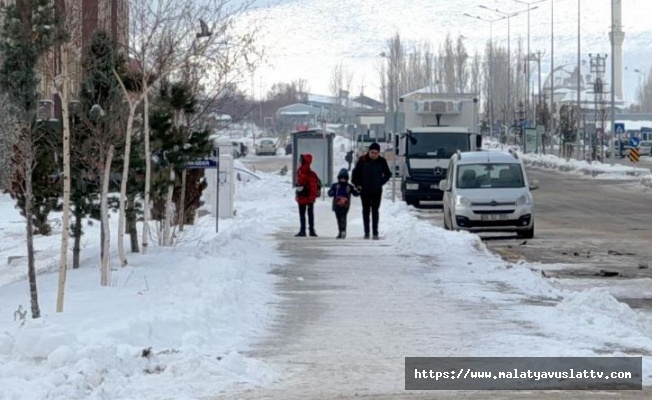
<point x="443" y="185"/>
<point x="534" y="185"/>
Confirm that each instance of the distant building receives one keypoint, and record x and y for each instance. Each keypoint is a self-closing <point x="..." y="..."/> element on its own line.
<point x="289" y="118"/>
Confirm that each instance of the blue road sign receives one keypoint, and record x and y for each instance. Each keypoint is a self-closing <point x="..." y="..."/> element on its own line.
<point x="634" y="141"/>
<point x="619" y="127"/>
<point x="201" y="164"/>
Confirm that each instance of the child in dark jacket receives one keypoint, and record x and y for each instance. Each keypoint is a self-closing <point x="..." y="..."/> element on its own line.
<point x="341" y="193"/>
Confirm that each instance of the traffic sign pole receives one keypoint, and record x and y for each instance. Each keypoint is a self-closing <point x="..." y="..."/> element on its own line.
<point x="217" y="192"/>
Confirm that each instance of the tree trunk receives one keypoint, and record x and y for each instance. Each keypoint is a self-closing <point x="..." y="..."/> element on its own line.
<point x="123" y="185"/>
<point x="182" y="203"/>
<point x="29" y="205"/>
<point x="132" y="228"/>
<point x="65" y="229"/>
<point x="106" y="239"/>
<point x="77" y="233"/>
<point x="167" y="222"/>
<point x="148" y="169"/>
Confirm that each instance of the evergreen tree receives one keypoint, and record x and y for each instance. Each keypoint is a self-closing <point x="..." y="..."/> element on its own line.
<point x="96" y="126"/>
<point x="30" y="29"/>
<point x="175" y="141"/>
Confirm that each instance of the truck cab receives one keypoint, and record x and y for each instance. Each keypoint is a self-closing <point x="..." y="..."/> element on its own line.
<point x="437" y="127"/>
<point x="426" y="155"/>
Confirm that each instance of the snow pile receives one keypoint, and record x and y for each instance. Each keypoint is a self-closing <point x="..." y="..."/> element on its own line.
<point x="466" y="259"/>
<point x="198" y="306"/>
<point x="595" y="169"/>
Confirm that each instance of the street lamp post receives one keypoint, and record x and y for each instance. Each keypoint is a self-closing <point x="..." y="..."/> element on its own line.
<point x="552" y="77"/>
<point x="579" y="88"/>
<point x="527" y="98"/>
<point x="509" y="52"/>
<point x="394" y="133"/>
<point x="491" y="66"/>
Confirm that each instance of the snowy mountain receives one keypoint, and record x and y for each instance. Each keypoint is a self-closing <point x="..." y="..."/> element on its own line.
<point x="307" y="38"/>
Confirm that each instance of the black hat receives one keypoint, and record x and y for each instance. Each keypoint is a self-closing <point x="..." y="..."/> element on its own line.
<point x="374" y="146"/>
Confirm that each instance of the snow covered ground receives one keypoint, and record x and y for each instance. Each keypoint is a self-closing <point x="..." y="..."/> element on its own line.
<point x="198" y="305"/>
<point x="203" y="304"/>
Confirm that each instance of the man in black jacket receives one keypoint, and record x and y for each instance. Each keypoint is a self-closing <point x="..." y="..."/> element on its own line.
<point x="371" y="172"/>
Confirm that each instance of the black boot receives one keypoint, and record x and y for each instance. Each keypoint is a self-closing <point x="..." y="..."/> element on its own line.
<point x="313" y="233"/>
<point x="301" y="234"/>
<point x="339" y="236"/>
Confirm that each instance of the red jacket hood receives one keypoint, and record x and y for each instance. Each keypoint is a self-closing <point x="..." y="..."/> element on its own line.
<point x="306" y="159"/>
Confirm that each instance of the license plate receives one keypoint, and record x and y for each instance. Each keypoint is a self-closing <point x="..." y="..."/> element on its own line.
<point x="493" y="217"/>
<point x="435" y="186"/>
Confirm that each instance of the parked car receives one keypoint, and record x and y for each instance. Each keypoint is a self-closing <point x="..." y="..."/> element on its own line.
<point x="266" y="147"/>
<point x="621" y="148"/>
<point x="239" y="149"/>
<point x="488" y="191"/>
<point x="645" y="148"/>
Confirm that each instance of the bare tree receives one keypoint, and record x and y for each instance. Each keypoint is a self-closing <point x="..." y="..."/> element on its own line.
<point x="336" y="86"/>
<point x="395" y="77"/>
<point x="476" y="74"/>
<point x="448" y="54"/>
<point x="30" y="30"/>
<point x="62" y="85"/>
<point x="644" y="94"/>
<point x="169" y="32"/>
<point x="105" y="270"/>
<point x="461" y="65"/>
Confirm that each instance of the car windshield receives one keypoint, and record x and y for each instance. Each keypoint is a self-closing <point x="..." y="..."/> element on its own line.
<point x="437" y="145"/>
<point x="481" y="176"/>
<point x="266" y="142"/>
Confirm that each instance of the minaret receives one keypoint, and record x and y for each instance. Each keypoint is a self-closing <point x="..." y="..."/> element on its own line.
<point x="617" y="36"/>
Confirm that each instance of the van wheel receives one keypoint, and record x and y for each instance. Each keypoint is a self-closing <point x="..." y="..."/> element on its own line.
<point x="446" y="226"/>
<point x="529" y="234"/>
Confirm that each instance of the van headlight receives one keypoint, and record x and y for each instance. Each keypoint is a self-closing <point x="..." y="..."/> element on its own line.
<point x="412" y="186"/>
<point x="462" y="202"/>
<point x="523" y="201"/>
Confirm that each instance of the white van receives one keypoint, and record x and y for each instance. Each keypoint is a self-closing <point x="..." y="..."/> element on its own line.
<point x="488" y="191"/>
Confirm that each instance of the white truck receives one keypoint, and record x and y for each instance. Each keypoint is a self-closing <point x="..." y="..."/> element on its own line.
<point x="436" y="126"/>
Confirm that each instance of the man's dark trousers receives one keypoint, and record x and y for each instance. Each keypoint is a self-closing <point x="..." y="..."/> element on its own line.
<point x="370" y="204"/>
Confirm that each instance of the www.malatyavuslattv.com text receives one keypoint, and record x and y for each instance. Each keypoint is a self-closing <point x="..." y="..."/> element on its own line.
<point x="466" y="373"/>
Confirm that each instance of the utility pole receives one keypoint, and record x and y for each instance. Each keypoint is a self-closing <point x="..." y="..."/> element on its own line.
<point x="527" y="66"/>
<point x="616" y="35"/>
<point x="552" y="78"/>
<point x="579" y="87"/>
<point x="598" y="67"/>
<point x="537" y="57"/>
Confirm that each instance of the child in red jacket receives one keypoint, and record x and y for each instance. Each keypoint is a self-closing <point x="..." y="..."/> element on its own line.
<point x="308" y="187"/>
